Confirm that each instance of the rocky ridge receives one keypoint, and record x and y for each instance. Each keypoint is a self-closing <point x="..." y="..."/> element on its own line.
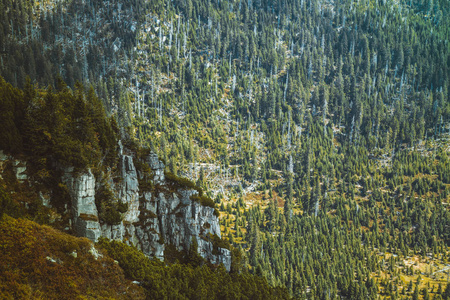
<point x="154" y="218"/>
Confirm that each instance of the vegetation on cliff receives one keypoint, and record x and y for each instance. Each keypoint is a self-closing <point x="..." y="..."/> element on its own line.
<point x="38" y="262"/>
<point x="188" y="281"/>
<point x="64" y="127"/>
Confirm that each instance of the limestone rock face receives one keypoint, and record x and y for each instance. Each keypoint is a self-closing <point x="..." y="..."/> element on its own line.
<point x="153" y="219"/>
<point x="183" y="219"/>
<point x="129" y="190"/>
<point x="224" y="257"/>
<point x="148" y="232"/>
<point x="84" y="211"/>
<point x="157" y="167"/>
<point x="20" y="168"/>
<point x="177" y="220"/>
<point x="3" y="156"/>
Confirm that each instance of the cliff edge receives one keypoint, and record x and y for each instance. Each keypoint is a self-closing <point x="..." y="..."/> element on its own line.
<point x="157" y="214"/>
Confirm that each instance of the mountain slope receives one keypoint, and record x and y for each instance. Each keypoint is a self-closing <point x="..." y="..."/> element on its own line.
<point x="320" y="128"/>
<point x="39" y="262"/>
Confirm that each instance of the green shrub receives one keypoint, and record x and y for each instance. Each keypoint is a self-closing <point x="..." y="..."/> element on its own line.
<point x="203" y="200"/>
<point x="145" y="177"/>
<point x="216" y="212"/>
<point x="6" y="204"/>
<point x="187" y="280"/>
<point x="146" y="214"/>
<point x="206" y="201"/>
<point x="218" y="243"/>
<point x="110" y="215"/>
<point x="146" y="185"/>
<point x="110" y="211"/>
<point x="122" y="207"/>
<point x="183" y="183"/>
<point x="60" y="196"/>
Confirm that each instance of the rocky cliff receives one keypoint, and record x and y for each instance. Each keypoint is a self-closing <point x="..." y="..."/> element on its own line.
<point x="155" y="217"/>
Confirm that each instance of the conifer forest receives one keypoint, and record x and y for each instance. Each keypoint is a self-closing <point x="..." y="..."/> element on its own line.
<point x="317" y="130"/>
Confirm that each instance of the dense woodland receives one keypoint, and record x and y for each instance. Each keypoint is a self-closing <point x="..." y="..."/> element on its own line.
<point x="52" y="130"/>
<point x="320" y="128"/>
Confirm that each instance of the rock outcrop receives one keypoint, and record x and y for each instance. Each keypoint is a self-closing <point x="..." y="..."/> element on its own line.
<point x="154" y="218"/>
<point x="129" y="189"/>
<point x="81" y="188"/>
<point x="19" y="166"/>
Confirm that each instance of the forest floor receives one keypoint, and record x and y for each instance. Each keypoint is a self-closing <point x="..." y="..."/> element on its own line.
<point x="406" y="272"/>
